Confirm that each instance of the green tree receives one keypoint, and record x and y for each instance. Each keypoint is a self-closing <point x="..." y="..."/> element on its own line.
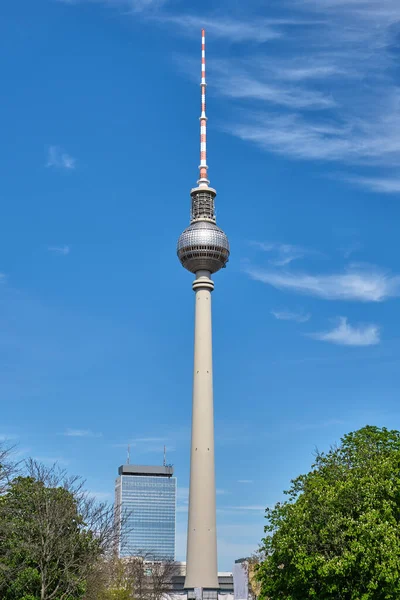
<point x="55" y="534"/>
<point x="337" y="537"/>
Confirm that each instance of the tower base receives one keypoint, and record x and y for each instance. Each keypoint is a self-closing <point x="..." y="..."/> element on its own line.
<point x="202" y="594"/>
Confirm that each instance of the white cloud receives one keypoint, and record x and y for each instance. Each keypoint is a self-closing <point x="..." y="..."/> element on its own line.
<point x="62" y="250"/>
<point x="384" y="185"/>
<point x="143" y="5"/>
<point x="378" y="11"/>
<point x="245" y="481"/>
<point x="369" y="140"/>
<point x="135" y="5"/>
<point x="235" y="30"/>
<point x="81" y="433"/>
<point x="287" y="315"/>
<point x="314" y="70"/>
<point x="218" y="25"/>
<point x="244" y="85"/>
<point x="357" y="123"/>
<point x="59" y="159"/>
<point x="360" y="122"/>
<point x="346" y="335"/>
<point x="283" y="254"/>
<point x="357" y="283"/>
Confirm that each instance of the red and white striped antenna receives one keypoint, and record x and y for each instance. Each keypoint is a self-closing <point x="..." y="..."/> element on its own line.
<point x="203" y="181"/>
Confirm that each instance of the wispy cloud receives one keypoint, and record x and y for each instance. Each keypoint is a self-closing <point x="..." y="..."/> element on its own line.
<point x="347" y="335"/>
<point x="385" y="12"/>
<point x="259" y="88"/>
<point x="357" y="123"/>
<point x="357" y="283"/>
<point x="235" y="30"/>
<point x="217" y="24"/>
<point x="59" y="159"/>
<point x="282" y="254"/>
<point x="81" y="433"/>
<point x="382" y="185"/>
<point x="136" y="5"/>
<point x="61" y="250"/>
<point x="245" y="481"/>
<point x="369" y="140"/>
<point x="324" y="42"/>
<point x="306" y="70"/>
<point x="287" y="315"/>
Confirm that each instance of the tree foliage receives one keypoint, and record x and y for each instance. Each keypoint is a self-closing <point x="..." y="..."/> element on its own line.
<point x="58" y="543"/>
<point x="337" y="536"/>
<point x="53" y="533"/>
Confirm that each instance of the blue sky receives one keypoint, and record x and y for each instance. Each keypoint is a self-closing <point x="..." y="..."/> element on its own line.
<point x="99" y="149"/>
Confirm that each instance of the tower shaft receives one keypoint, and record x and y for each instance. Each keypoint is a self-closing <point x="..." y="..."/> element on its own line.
<point x="201" y="561"/>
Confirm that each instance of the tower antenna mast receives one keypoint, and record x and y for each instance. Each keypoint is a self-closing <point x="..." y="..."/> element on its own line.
<point x="203" y="181"/>
<point x="128" y="456"/>
<point x="165" y="456"/>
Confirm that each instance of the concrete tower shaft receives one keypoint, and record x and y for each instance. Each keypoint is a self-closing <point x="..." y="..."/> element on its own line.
<point x="201" y="560"/>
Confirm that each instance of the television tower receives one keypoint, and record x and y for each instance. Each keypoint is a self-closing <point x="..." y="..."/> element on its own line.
<point x="203" y="249"/>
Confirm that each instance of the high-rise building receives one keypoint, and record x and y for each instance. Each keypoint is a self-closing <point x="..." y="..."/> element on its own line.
<point x="203" y="249"/>
<point x="145" y="510"/>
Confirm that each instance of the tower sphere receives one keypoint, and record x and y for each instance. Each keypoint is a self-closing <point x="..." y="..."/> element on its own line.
<point x="203" y="247"/>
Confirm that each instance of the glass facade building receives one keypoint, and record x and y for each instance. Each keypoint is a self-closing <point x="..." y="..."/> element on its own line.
<point x="145" y="509"/>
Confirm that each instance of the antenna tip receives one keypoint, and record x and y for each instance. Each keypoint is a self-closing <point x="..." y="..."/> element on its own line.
<point x="203" y="32"/>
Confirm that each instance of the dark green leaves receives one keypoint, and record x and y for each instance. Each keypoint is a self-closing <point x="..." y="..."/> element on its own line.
<point x="337" y="536"/>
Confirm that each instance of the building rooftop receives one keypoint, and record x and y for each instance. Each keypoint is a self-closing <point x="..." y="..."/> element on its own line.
<point x="163" y="471"/>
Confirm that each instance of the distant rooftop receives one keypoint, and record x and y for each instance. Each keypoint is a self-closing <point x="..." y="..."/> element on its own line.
<point x="164" y="471"/>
